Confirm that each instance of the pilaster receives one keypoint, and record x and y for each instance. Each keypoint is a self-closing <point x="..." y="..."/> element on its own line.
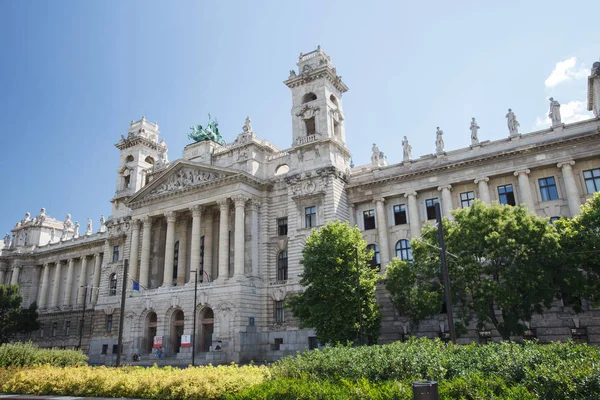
<point x="573" y="198"/>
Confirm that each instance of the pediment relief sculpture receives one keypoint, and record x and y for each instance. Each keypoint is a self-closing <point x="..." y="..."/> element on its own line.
<point x="184" y="178"/>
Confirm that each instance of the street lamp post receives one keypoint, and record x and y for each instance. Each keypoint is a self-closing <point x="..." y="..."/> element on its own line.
<point x="194" y="325"/>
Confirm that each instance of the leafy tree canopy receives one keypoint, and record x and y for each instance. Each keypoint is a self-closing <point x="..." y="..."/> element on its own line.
<point x="13" y="318"/>
<point x="329" y="302"/>
<point x="501" y="260"/>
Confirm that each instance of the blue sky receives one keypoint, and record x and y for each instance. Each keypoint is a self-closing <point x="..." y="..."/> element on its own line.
<point x="74" y="74"/>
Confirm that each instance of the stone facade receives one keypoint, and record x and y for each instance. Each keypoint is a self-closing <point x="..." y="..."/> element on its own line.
<point x="235" y="217"/>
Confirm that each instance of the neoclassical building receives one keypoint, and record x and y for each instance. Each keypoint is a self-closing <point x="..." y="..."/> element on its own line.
<point x="237" y="215"/>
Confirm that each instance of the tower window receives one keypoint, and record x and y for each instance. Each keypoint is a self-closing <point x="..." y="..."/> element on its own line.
<point x="129" y="158"/>
<point x="333" y="100"/>
<point x="127" y="181"/>
<point x="309" y="97"/>
<point x="310" y="126"/>
<point x="149" y="160"/>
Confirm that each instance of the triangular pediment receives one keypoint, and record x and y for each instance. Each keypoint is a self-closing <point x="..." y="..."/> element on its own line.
<point x="182" y="175"/>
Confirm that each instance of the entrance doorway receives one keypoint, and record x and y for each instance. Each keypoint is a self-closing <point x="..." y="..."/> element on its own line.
<point x="206" y="328"/>
<point x="176" y="330"/>
<point x="151" y="324"/>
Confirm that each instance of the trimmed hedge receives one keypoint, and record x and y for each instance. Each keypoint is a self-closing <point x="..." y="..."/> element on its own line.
<point x="28" y="354"/>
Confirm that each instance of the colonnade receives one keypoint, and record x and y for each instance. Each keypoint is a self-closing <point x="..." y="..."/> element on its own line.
<point x="52" y="284"/>
<point x="525" y="198"/>
<point x="198" y="211"/>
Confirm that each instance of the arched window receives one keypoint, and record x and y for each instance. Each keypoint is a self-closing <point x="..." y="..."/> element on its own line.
<point x="282" y="266"/>
<point x="308" y="97"/>
<point x="554" y="219"/>
<point x="149" y="160"/>
<point x="129" y="158"/>
<point x="403" y="250"/>
<point x="282" y="169"/>
<point x="112" y="285"/>
<point x="334" y="100"/>
<point x="375" y="261"/>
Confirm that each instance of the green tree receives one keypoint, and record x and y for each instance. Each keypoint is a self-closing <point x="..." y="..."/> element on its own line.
<point x="500" y="258"/>
<point x="329" y="302"/>
<point x="13" y="318"/>
<point x="581" y="243"/>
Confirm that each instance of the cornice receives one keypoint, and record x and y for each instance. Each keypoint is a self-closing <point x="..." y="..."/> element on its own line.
<point x="474" y="161"/>
<point x="127" y="143"/>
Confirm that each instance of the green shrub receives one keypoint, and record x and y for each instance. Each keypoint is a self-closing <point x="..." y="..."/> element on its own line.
<point x="28" y="354"/>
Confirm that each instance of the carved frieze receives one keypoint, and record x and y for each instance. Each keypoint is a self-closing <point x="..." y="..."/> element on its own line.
<point x="184" y="178"/>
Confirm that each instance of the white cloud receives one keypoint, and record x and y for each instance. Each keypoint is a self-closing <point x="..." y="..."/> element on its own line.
<point x="572" y="111"/>
<point x="565" y="71"/>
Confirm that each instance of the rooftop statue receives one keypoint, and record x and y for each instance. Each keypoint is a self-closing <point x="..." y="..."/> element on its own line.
<point x="211" y="132"/>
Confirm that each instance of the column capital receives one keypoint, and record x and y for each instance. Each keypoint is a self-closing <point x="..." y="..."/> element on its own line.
<point x="71" y="260"/>
<point x="569" y="163"/>
<point x="255" y="205"/>
<point x="97" y="255"/>
<point x="46" y="265"/>
<point x="482" y="179"/>
<point x="196" y="210"/>
<point x="208" y="214"/>
<point x="145" y="219"/>
<point x="440" y="188"/>
<point x="240" y="201"/>
<point x="223" y="203"/>
<point x="379" y="200"/>
<point x="135" y="223"/>
<point x="521" y="171"/>
<point x="171" y="217"/>
<point x="408" y="194"/>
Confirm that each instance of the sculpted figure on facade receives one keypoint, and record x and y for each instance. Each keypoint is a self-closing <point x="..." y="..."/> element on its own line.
<point x="474" y="130"/>
<point x="375" y="154"/>
<point x="6" y="241"/>
<point x="439" y="140"/>
<point x="76" y="235"/>
<point x="513" y="124"/>
<point x="554" y="112"/>
<point x="184" y="178"/>
<point x="594" y="90"/>
<point x="88" y="230"/>
<point x="40" y="218"/>
<point x="52" y="236"/>
<point x="102" y="224"/>
<point x="67" y="227"/>
<point x="247" y="128"/>
<point x="407" y="150"/>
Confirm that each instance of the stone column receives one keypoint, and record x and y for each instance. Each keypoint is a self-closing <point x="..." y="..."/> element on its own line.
<point x="82" y="281"/>
<point x="413" y="215"/>
<point x="134" y="251"/>
<point x="145" y="258"/>
<point x="43" y="293"/>
<point x="352" y="210"/>
<point x="182" y="261"/>
<point x="446" y="201"/>
<point x="208" y="243"/>
<point x="484" y="190"/>
<point x="69" y="286"/>
<point x="525" y="189"/>
<point x="223" y="238"/>
<point x="169" y="248"/>
<point x="382" y="232"/>
<point x="1" y="275"/>
<point x="96" y="283"/>
<point x="14" y="280"/>
<point x="239" y="239"/>
<point x="254" y="234"/>
<point x="196" y="235"/>
<point x="573" y="198"/>
<point x="56" y="285"/>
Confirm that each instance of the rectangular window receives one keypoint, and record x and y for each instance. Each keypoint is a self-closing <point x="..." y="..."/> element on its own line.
<point x="369" y="219"/>
<point x="310" y="217"/>
<point x="68" y="328"/>
<point x="313" y="343"/>
<point x="592" y="180"/>
<point x="279" y="313"/>
<point x="548" y="189"/>
<point x="115" y="254"/>
<point x="310" y="126"/>
<point x="466" y="199"/>
<point x="41" y="330"/>
<point x="201" y="276"/>
<point x="430" y="207"/>
<point x="506" y="195"/>
<point x="175" y="260"/>
<point x="282" y="226"/>
<point x="108" y="323"/>
<point x="104" y="349"/>
<point x="115" y="348"/>
<point x="277" y="344"/>
<point x="54" y="325"/>
<point x="400" y="214"/>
